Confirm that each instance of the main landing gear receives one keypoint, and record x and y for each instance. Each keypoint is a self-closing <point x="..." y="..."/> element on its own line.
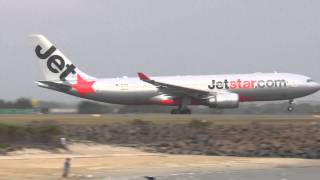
<point x="180" y="111"/>
<point x="290" y="107"/>
<point x="183" y="107"/>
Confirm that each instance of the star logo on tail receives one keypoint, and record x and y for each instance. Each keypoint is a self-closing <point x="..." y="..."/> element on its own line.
<point x="83" y="87"/>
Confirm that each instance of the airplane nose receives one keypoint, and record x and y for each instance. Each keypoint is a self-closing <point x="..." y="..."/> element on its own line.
<point x="316" y="86"/>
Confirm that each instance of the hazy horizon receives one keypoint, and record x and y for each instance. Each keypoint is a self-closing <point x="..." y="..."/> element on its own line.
<point x="119" y="38"/>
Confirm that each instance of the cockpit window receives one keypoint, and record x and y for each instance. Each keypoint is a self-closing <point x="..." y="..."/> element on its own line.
<point x="309" y="80"/>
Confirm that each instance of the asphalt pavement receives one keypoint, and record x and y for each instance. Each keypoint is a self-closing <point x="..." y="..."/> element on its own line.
<point x="286" y="173"/>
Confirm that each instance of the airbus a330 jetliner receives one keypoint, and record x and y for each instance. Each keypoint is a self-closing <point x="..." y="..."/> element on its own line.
<point x="216" y="91"/>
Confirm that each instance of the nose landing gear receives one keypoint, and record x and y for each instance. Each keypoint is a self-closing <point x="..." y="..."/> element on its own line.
<point x="290" y="107"/>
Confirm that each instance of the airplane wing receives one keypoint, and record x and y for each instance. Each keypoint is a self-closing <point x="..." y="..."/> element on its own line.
<point x="175" y="89"/>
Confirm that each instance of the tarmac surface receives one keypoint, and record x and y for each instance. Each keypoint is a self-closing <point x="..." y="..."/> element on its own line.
<point x="289" y="173"/>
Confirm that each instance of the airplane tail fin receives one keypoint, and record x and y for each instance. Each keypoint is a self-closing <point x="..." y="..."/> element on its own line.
<point x="55" y="66"/>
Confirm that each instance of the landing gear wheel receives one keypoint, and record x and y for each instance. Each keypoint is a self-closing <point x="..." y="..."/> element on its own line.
<point x="186" y="111"/>
<point x="175" y="111"/>
<point x="290" y="108"/>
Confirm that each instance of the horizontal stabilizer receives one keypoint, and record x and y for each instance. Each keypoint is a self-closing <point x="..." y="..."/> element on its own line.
<point x="61" y="86"/>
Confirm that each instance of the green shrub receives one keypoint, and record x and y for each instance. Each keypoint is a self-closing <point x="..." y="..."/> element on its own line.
<point x="139" y="122"/>
<point x="32" y="133"/>
<point x="4" y="146"/>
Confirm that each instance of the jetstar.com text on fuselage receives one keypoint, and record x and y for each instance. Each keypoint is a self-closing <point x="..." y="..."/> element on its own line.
<point x="247" y="84"/>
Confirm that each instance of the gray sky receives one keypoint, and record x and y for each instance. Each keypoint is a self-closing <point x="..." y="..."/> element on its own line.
<point x="110" y="38"/>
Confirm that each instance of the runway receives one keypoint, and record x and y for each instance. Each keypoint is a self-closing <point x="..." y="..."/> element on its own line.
<point x="158" y="118"/>
<point x="289" y="173"/>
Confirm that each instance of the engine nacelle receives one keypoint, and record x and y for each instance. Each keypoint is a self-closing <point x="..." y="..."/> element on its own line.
<point x="224" y="100"/>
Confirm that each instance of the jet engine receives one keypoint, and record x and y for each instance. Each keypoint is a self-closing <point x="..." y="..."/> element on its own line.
<point x="225" y="100"/>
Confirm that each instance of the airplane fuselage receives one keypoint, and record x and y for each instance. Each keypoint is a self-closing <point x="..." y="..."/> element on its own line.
<point x="250" y="87"/>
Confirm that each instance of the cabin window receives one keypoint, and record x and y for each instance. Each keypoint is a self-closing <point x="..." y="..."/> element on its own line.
<point x="309" y="80"/>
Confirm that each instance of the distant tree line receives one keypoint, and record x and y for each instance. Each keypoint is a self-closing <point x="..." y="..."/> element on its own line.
<point x="21" y="103"/>
<point x="88" y="107"/>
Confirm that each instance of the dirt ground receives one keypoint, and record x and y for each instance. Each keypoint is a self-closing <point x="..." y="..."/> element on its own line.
<point x="97" y="161"/>
<point x="100" y="161"/>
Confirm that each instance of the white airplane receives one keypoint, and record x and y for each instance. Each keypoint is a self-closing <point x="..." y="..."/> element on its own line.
<point x="215" y="91"/>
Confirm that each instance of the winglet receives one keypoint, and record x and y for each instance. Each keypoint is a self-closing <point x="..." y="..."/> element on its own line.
<point x="143" y="77"/>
